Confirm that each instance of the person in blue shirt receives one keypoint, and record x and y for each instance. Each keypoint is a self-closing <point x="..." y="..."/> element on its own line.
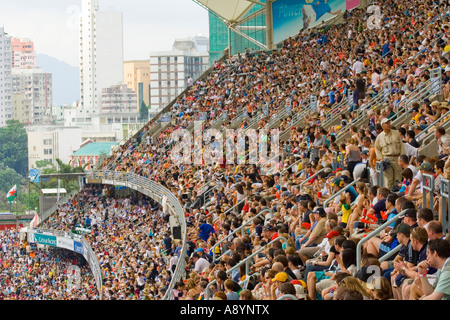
<point x="205" y="230"/>
<point x="332" y="97"/>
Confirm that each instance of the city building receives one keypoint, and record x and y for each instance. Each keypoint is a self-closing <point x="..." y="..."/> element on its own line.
<point x="23" y="54"/>
<point x="51" y="143"/>
<point x="169" y="73"/>
<point x="197" y="43"/>
<point x="90" y="153"/>
<point x="136" y="75"/>
<point x="32" y="96"/>
<point x="101" y="53"/>
<point x="108" y="127"/>
<point x="118" y="99"/>
<point x="5" y="78"/>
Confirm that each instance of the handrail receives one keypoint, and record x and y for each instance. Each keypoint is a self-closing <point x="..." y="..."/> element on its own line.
<point x="430" y="135"/>
<point x="309" y="178"/>
<point x="334" y="195"/>
<point x="87" y="251"/>
<point x="445" y="206"/>
<point x="373" y="234"/>
<point x="45" y="215"/>
<point x="158" y="193"/>
<point x="246" y="261"/>
<point x="424" y="135"/>
<point x="236" y="230"/>
<point x="430" y="188"/>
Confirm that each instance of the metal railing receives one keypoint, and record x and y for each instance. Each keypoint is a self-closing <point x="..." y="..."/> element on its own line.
<point x="445" y="205"/>
<point x="246" y="261"/>
<point x="241" y="227"/>
<point x="158" y="193"/>
<point x="373" y="234"/>
<point x="45" y="215"/>
<point x="428" y="186"/>
<point x="379" y="169"/>
<point x="334" y="195"/>
<point x="88" y="253"/>
<point x="312" y="177"/>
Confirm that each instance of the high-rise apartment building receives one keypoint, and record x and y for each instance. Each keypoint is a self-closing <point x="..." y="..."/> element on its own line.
<point x="23" y="54"/>
<point x="118" y="99"/>
<point x="101" y="53"/>
<point x="136" y="75"/>
<point x="170" y="70"/>
<point x="5" y="78"/>
<point x="32" y="95"/>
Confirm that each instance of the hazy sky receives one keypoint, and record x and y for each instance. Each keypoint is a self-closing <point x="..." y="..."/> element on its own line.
<point x="148" y="25"/>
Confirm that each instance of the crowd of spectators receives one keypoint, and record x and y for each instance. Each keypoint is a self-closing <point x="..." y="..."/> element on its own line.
<point x="300" y="247"/>
<point x="129" y="233"/>
<point x="31" y="273"/>
<point x="308" y="250"/>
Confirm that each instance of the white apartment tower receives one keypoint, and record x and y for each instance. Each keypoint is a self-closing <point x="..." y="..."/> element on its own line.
<point x="5" y="78"/>
<point x="32" y="96"/>
<point x="101" y="53"/>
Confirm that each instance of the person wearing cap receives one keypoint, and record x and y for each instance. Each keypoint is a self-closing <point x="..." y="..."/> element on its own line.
<point x="269" y="232"/>
<point x="389" y="145"/>
<point x="406" y="253"/>
<point x="315" y="262"/>
<point x="277" y="281"/>
<point x="318" y="231"/>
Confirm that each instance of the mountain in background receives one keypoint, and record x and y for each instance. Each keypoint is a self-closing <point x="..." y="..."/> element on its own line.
<point x="65" y="79"/>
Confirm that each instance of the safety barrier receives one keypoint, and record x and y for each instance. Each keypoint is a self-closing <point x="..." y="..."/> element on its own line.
<point x="373" y="234"/>
<point x="379" y="169"/>
<point x="69" y="241"/>
<point x="428" y="186"/>
<point x="159" y="194"/>
<point x="334" y="195"/>
<point x="246" y="261"/>
<point x="312" y="177"/>
<point x="445" y="205"/>
<point x="236" y="231"/>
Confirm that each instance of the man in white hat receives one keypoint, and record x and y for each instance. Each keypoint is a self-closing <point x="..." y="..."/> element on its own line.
<point x="389" y="145"/>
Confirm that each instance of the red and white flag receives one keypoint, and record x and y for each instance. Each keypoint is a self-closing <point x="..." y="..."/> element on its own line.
<point x="35" y="222"/>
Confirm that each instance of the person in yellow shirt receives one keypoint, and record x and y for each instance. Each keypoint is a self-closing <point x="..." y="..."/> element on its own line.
<point x="346" y="207"/>
<point x="415" y="115"/>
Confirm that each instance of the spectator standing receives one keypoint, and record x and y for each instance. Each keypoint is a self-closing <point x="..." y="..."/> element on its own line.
<point x="389" y="146"/>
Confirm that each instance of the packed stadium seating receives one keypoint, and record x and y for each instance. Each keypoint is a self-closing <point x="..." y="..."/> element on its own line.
<point x="310" y="223"/>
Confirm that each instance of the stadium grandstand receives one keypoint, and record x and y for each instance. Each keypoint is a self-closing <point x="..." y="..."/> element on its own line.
<point x="353" y="206"/>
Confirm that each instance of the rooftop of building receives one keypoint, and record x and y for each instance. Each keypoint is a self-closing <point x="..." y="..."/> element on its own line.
<point x="95" y="149"/>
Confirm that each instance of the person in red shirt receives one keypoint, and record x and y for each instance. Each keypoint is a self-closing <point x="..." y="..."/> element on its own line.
<point x="269" y="232"/>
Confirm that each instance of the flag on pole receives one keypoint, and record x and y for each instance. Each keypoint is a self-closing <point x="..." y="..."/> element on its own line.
<point x="12" y="193"/>
<point x="35" y="222"/>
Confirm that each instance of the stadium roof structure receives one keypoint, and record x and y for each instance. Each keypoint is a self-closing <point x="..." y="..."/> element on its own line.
<point x="95" y="149"/>
<point x="234" y="12"/>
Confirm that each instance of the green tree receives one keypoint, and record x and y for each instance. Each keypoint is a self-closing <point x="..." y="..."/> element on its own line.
<point x="9" y="177"/>
<point x="13" y="147"/>
<point x="143" y="112"/>
<point x="43" y="164"/>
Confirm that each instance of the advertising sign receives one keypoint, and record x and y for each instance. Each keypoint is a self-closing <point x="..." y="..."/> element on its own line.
<point x="78" y="247"/>
<point x="65" y="243"/>
<point x="45" y="239"/>
<point x="291" y="16"/>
